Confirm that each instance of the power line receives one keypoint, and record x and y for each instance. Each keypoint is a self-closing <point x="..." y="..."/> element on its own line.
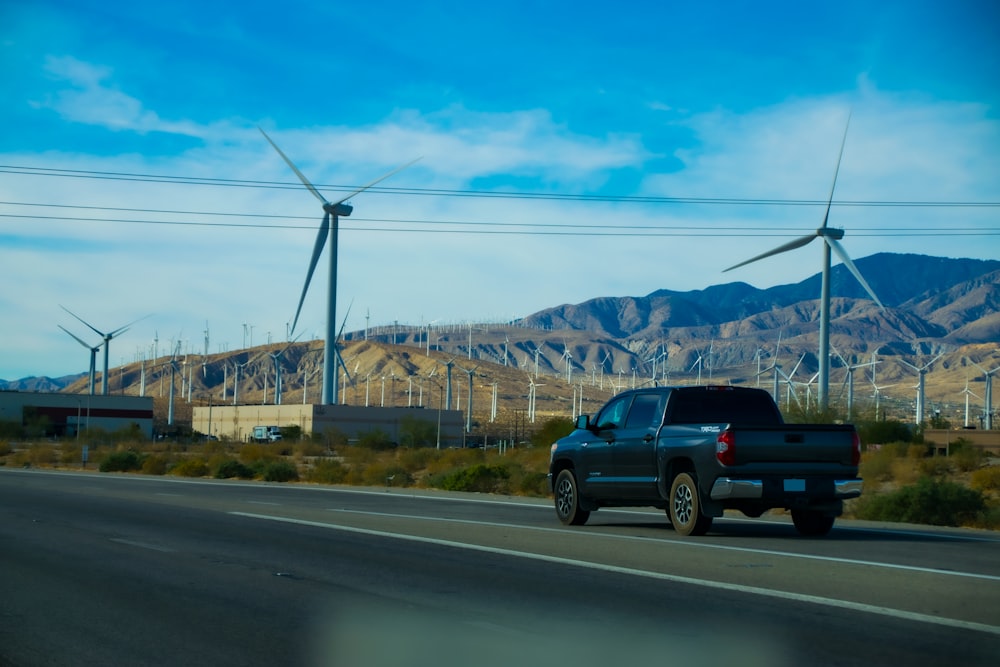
<point x="437" y="192"/>
<point x="471" y="227"/>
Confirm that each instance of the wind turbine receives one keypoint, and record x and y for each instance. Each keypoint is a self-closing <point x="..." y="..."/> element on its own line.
<point x="448" y="366"/>
<point x="831" y="238"/>
<point x="568" y="358"/>
<point x="277" y="369"/>
<point x="987" y="393"/>
<point x="327" y="231"/>
<point x="968" y="392"/>
<point x="849" y="380"/>
<point x="697" y="362"/>
<point x="468" y="419"/>
<point x="93" y="355"/>
<point x="107" y="343"/>
<point x="921" y="373"/>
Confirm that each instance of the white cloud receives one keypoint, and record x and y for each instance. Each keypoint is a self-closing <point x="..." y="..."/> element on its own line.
<point x="898" y="148"/>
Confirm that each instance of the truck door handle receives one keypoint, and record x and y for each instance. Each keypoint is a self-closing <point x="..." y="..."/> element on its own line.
<point x="647" y="438"/>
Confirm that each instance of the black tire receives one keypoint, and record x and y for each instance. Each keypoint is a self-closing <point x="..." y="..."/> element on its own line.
<point x="567" y="500"/>
<point x="685" y="507"/>
<point x="812" y="523"/>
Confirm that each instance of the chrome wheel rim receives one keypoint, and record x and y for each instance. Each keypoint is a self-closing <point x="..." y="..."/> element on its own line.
<point x="683" y="504"/>
<point x="564" y="497"/>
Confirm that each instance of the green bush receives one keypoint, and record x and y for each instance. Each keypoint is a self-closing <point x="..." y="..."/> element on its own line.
<point x="929" y="501"/>
<point x="280" y="471"/>
<point x="884" y="431"/>
<point x="480" y="478"/>
<point x="229" y="468"/>
<point x="121" y="461"/>
<point x="376" y="440"/>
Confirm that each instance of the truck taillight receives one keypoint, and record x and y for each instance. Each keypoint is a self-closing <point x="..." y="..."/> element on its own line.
<point x="855" y="449"/>
<point x="725" y="448"/>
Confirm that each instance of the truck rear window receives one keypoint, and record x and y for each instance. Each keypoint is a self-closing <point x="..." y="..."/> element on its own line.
<point x="702" y="405"/>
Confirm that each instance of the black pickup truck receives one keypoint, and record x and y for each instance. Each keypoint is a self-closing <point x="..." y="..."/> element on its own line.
<point x="697" y="451"/>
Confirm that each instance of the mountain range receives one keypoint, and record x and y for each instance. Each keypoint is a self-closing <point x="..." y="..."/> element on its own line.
<point x="933" y="306"/>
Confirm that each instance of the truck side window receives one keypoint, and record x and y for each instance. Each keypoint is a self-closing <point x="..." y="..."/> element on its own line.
<point x="644" y="412"/>
<point x="613" y="414"/>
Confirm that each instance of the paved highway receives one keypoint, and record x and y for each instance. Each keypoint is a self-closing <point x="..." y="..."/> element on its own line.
<point x="99" y="569"/>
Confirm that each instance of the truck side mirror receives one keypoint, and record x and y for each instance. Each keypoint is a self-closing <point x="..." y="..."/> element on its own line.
<point x="583" y="422"/>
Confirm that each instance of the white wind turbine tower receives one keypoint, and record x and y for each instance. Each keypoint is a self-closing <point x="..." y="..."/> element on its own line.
<point x="328" y="230"/>
<point x="697" y="363"/>
<point x="921" y="373"/>
<point x="968" y="392"/>
<point x="987" y="393"/>
<point x="831" y="238"/>
<point x="468" y="418"/>
<point x="568" y="358"/>
<point x="93" y="355"/>
<point x="107" y="343"/>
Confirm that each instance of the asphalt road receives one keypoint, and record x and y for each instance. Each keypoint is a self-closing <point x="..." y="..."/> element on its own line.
<point x="101" y="569"/>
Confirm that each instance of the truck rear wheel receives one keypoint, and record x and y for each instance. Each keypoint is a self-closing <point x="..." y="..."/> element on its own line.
<point x="568" y="500"/>
<point x="812" y="523"/>
<point x="685" y="507"/>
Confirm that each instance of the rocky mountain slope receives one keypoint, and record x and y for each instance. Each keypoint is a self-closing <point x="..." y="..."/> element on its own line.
<point x="725" y="333"/>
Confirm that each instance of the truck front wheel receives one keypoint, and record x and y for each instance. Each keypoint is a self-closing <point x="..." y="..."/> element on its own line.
<point x="685" y="507"/>
<point x="568" y="500"/>
<point x="812" y="523"/>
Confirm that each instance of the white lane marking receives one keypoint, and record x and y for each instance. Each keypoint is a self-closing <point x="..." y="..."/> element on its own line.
<point x="695" y="544"/>
<point x="706" y="583"/>
<point x="142" y="545"/>
<point x="261" y="502"/>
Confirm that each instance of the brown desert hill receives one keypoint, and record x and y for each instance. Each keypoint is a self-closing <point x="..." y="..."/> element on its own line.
<point x="945" y="311"/>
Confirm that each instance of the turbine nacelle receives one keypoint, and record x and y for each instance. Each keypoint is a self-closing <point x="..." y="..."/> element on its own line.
<point x="339" y="209"/>
<point x="830" y="233"/>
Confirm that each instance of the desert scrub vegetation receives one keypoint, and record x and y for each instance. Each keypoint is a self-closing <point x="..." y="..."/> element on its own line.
<point x="911" y="483"/>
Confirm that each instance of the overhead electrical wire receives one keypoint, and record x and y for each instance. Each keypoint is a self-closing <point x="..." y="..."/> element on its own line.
<point x="437" y="192"/>
<point x="471" y="227"/>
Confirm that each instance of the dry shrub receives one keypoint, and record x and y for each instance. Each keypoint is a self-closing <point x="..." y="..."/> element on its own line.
<point x="905" y="470"/>
<point x="986" y="479"/>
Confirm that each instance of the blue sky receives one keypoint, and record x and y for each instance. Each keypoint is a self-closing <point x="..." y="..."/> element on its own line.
<point x="568" y="150"/>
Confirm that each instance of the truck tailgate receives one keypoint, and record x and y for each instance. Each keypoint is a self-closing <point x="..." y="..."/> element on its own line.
<point x="794" y="443"/>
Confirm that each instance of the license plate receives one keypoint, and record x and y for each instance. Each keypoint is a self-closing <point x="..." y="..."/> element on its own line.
<point x="795" y="485"/>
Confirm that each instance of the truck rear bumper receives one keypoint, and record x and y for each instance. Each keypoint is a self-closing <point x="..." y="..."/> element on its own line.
<point x="726" y="488"/>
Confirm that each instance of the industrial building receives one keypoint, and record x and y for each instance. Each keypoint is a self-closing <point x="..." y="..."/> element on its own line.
<point x="65" y="415"/>
<point x="236" y="422"/>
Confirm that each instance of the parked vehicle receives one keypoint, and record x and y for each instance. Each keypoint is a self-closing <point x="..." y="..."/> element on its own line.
<point x="697" y="451"/>
<point x="266" y="434"/>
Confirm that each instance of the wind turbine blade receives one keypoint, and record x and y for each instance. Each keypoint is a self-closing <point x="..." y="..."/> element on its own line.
<point x="87" y="324"/>
<point x="324" y="230"/>
<point x="75" y="337"/>
<point x="343" y="324"/>
<point x="125" y="328"/>
<point x="829" y="202"/>
<point x="845" y="258"/>
<point x="305" y="181"/>
<point x="791" y="245"/>
<point x="377" y="180"/>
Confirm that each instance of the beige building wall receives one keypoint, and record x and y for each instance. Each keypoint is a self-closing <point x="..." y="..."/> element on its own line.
<point x="942" y="438"/>
<point x="236" y="422"/>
